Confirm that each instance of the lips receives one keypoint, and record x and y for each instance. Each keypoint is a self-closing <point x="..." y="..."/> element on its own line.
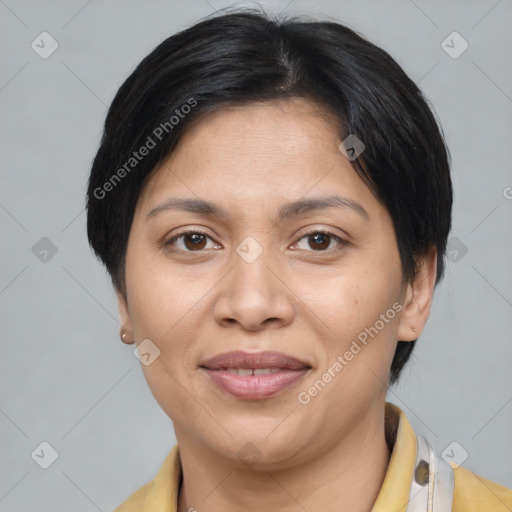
<point x="238" y="359"/>
<point x="254" y="376"/>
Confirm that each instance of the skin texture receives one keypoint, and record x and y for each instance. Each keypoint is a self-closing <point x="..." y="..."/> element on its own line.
<point x="308" y="302"/>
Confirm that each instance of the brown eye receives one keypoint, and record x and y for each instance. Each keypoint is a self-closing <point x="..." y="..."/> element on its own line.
<point x="320" y="241"/>
<point x="189" y="241"/>
<point x="194" y="241"/>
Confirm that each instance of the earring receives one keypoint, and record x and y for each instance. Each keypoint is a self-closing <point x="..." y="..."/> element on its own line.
<point x="413" y="329"/>
<point x="123" y="335"/>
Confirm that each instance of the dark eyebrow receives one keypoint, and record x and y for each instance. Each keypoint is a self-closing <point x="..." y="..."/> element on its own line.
<point x="198" y="206"/>
<point x="318" y="203"/>
<point x="287" y="211"/>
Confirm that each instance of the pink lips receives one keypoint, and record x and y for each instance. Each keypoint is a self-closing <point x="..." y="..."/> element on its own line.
<point x="271" y="372"/>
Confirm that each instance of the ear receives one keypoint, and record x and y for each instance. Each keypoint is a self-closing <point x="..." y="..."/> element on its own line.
<point x="418" y="297"/>
<point x="124" y="315"/>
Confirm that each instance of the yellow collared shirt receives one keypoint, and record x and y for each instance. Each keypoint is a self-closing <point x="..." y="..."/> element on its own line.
<point x="471" y="493"/>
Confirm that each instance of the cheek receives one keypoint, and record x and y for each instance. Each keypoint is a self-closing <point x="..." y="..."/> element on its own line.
<point x="362" y="310"/>
<point x="164" y="307"/>
<point x="165" y="385"/>
<point x="162" y="297"/>
<point x="353" y="299"/>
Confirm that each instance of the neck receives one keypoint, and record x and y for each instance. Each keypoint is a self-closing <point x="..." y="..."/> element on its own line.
<point x="344" y="477"/>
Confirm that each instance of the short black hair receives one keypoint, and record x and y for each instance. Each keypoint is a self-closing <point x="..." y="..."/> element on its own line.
<point x="249" y="56"/>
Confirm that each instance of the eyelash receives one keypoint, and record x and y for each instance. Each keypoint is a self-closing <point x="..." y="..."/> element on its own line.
<point x="342" y="243"/>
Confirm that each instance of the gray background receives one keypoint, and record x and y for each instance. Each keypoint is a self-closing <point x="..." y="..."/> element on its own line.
<point x="67" y="379"/>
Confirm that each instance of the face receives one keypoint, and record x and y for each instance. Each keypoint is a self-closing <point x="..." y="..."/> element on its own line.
<point x="321" y="284"/>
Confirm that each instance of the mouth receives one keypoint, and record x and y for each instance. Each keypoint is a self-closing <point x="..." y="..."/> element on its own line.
<point x="253" y="376"/>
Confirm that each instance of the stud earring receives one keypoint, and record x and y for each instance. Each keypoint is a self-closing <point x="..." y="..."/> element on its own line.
<point x="123" y="335"/>
<point x="413" y="329"/>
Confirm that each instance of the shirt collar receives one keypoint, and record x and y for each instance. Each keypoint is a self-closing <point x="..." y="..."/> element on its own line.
<point x="394" y="492"/>
<point x="394" y="495"/>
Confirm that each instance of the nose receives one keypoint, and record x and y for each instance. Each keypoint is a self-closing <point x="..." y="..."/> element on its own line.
<point x="254" y="294"/>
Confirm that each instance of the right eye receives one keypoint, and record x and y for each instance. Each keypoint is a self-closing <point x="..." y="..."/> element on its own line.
<point x="190" y="241"/>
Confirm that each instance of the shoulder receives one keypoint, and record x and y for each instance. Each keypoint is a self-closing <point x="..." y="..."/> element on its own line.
<point x="135" y="502"/>
<point x="474" y="493"/>
<point x="161" y="493"/>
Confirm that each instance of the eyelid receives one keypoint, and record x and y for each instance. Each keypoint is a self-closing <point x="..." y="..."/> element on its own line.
<point x="310" y="230"/>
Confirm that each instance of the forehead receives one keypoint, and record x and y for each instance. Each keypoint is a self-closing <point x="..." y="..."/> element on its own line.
<point x="262" y="151"/>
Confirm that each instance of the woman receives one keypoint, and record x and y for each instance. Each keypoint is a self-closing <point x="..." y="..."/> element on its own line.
<point x="272" y="200"/>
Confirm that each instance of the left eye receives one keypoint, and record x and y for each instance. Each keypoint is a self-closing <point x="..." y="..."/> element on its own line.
<point x="320" y="240"/>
